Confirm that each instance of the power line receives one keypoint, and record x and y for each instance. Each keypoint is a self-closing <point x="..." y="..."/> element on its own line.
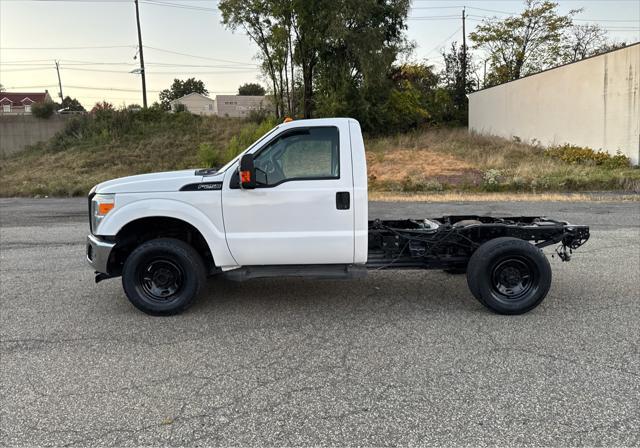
<point x="177" y="5"/>
<point x="121" y="72"/>
<point x="67" y="65"/>
<point x="26" y="69"/>
<point x="437" y="47"/>
<point x="196" y="56"/>
<point x="576" y="20"/>
<point x="164" y="50"/>
<point x="449" y="17"/>
<point x="111" y="89"/>
<point x="91" y="47"/>
<point x="437" y="7"/>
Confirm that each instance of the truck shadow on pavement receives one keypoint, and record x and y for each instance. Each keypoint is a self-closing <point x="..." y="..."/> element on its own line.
<point x="397" y="291"/>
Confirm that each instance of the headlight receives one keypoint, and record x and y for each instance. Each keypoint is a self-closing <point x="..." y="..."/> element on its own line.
<point x="101" y="204"/>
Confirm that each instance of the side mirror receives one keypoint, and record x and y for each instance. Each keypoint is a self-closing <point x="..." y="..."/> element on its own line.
<point x="247" y="172"/>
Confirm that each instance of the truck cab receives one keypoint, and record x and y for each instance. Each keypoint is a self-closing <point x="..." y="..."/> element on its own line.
<point x="308" y="201"/>
<point x="293" y="203"/>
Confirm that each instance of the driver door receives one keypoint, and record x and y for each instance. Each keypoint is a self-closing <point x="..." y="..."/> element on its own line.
<point x="300" y="211"/>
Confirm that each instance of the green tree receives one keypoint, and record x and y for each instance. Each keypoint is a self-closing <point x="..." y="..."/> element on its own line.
<point x="336" y="54"/>
<point x="457" y="82"/>
<point x="251" y="88"/>
<point x="286" y="33"/>
<point x="523" y="44"/>
<point x="436" y="97"/>
<point x="43" y="110"/>
<point x="102" y="107"/>
<point x="179" y="89"/>
<point x="71" y="105"/>
<point x="586" y="40"/>
<point x="356" y="58"/>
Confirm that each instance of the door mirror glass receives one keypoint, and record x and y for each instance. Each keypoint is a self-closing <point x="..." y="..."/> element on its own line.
<point x="247" y="172"/>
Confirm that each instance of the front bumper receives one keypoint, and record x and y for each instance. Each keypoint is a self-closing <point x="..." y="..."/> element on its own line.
<point x="98" y="253"/>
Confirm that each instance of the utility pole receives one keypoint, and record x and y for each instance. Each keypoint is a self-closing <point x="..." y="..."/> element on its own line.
<point x="59" y="81"/>
<point x="464" y="54"/>
<point x="144" y="81"/>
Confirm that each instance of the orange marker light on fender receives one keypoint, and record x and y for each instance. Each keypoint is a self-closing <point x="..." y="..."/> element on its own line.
<point x="105" y="207"/>
<point x="245" y="176"/>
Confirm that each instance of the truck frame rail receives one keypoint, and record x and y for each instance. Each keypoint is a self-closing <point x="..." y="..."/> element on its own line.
<point x="448" y="242"/>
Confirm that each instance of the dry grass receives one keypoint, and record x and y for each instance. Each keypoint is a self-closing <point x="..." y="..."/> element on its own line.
<point x="395" y="164"/>
<point x="44" y="171"/>
<point x="438" y="165"/>
<point x="499" y="197"/>
<point x="454" y="159"/>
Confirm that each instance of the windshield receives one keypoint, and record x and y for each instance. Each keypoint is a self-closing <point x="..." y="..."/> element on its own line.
<point x="232" y="161"/>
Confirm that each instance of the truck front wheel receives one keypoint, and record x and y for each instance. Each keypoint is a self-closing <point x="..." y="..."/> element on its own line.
<point x="509" y="275"/>
<point x="163" y="276"/>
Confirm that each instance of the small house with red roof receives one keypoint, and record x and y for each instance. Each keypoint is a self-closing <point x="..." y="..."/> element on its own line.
<point x="19" y="103"/>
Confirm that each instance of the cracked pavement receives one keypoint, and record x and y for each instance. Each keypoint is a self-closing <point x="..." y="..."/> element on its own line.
<point x="398" y="358"/>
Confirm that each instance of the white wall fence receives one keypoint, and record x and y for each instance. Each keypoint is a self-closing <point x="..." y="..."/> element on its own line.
<point x="593" y="103"/>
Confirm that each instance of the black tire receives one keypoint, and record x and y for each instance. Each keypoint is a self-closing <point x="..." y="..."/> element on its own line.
<point x="509" y="276"/>
<point x="163" y="277"/>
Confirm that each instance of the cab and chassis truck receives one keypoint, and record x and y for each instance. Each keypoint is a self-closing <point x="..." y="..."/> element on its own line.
<point x="295" y="204"/>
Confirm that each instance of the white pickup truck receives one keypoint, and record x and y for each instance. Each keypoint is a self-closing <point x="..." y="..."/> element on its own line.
<point x="295" y="204"/>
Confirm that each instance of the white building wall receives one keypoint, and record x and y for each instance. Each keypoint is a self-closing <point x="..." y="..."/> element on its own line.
<point x="240" y="105"/>
<point x="197" y="104"/>
<point x="593" y="103"/>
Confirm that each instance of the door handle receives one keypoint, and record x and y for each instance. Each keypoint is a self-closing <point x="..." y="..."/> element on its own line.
<point x="343" y="200"/>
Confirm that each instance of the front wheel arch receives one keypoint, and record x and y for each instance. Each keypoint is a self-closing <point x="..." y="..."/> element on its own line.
<point x="139" y="231"/>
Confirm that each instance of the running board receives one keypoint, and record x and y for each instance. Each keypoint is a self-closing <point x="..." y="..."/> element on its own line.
<point x="315" y="271"/>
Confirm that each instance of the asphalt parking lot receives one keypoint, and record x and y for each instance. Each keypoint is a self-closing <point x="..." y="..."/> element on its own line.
<point x="399" y="358"/>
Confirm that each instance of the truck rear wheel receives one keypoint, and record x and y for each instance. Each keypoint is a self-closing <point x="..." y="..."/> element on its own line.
<point x="509" y="275"/>
<point x="163" y="276"/>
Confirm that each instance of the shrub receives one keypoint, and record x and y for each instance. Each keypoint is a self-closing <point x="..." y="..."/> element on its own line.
<point x="491" y="178"/>
<point x="107" y="125"/>
<point x="260" y="115"/>
<point x="617" y="161"/>
<point x="42" y="110"/>
<point x="102" y="107"/>
<point x="411" y="184"/>
<point x="208" y="155"/>
<point x="578" y="155"/>
<point x="249" y="133"/>
<point x="405" y="110"/>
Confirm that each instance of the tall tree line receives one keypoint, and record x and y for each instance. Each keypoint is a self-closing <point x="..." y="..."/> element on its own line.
<point x="342" y="57"/>
<point x="343" y="46"/>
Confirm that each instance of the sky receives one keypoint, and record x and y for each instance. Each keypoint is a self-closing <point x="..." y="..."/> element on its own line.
<point x="95" y="42"/>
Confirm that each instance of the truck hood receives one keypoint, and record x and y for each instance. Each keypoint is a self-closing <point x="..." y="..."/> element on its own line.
<point x="157" y="182"/>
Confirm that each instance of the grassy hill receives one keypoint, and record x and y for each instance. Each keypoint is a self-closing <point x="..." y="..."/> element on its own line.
<point x="116" y="144"/>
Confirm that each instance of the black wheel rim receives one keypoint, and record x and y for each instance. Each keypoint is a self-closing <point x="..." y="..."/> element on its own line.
<point x="514" y="279"/>
<point x="161" y="280"/>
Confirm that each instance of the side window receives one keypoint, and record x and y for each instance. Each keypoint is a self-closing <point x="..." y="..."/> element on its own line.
<point x="298" y="155"/>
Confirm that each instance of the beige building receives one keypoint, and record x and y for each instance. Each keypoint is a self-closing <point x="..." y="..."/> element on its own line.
<point x="594" y="103"/>
<point x="237" y="106"/>
<point x="196" y="103"/>
<point x="240" y="105"/>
